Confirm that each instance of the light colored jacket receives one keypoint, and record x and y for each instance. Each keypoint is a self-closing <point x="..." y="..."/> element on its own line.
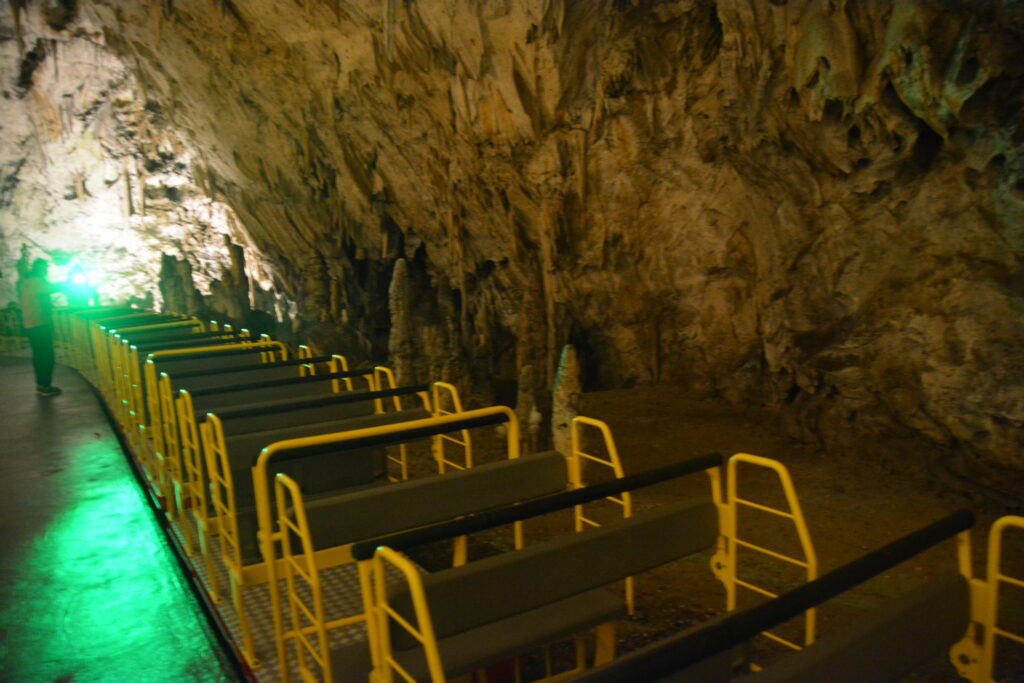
<point x="36" y="307"/>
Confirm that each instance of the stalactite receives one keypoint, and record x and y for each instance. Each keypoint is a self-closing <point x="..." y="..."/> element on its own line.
<point x="127" y="204"/>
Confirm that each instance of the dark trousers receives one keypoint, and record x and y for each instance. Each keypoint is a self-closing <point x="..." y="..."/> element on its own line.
<point x="41" y="340"/>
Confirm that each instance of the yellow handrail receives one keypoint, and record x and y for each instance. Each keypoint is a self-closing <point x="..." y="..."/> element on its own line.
<point x="613" y="462"/>
<point x="724" y="563"/>
<point x="152" y="451"/>
<point x="973" y="660"/>
<point x="265" y="530"/>
<point x="307" y="617"/>
<point x="424" y="629"/>
<point x="463" y="440"/>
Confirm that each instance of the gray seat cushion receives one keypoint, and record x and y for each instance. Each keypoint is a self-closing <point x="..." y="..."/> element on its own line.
<point x="285" y="415"/>
<point x="498" y="641"/>
<point x="350" y="517"/>
<point x="886" y="644"/>
<point x="466" y="597"/>
<point x="222" y="379"/>
<point x="244" y="449"/>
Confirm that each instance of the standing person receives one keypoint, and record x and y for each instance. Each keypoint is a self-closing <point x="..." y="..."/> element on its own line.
<point x="37" y="319"/>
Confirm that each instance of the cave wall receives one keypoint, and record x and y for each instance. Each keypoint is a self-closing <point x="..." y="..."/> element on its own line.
<point x="813" y="205"/>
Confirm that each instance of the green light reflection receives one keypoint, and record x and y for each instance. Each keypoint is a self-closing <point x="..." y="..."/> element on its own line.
<point x="99" y="597"/>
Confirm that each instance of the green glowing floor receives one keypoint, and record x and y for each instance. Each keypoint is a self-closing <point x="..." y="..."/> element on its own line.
<point x="89" y="589"/>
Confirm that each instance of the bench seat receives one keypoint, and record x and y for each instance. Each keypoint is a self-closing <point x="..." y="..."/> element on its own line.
<point x="238" y="358"/>
<point x="210" y="403"/>
<point x="492" y="643"/>
<point x="885" y="644"/>
<point x="243" y="449"/>
<point x="484" y="611"/>
<point x="282" y="412"/>
<point x="222" y="379"/>
<point x="318" y="470"/>
<point x="352" y="516"/>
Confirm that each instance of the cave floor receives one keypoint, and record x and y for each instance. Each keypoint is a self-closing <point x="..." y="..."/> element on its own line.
<point x="89" y="588"/>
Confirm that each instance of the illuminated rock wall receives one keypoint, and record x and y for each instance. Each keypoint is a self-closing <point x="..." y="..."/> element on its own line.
<point x="815" y="206"/>
<point x="90" y="172"/>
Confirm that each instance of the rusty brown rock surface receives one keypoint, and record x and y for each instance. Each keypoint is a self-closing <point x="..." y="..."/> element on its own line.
<point x="815" y="206"/>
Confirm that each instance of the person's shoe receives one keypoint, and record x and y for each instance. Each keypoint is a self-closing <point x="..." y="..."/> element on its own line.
<point x="48" y="391"/>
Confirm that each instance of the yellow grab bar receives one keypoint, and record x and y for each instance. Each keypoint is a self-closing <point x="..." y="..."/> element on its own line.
<point x="725" y="561"/>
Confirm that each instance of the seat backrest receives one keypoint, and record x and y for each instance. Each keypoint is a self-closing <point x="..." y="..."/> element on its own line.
<point x="360" y="515"/>
<point x="243" y="449"/>
<point x="237" y="358"/>
<point x="488" y="590"/>
<point x="221" y="379"/>
<point x="283" y="416"/>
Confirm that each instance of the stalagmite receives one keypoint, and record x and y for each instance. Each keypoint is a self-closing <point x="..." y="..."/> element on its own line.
<point x="400" y="340"/>
<point x="565" y="399"/>
<point x="526" y="410"/>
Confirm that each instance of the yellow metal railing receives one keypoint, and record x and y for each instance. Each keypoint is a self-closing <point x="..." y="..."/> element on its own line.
<point x="191" y="489"/>
<point x="124" y="367"/>
<point x="289" y="499"/>
<point x="108" y="361"/>
<point x="309" y="626"/>
<point x="190" y="492"/>
<point x="222" y="495"/>
<point x="724" y="564"/>
<point x="339" y="363"/>
<point x="975" y="656"/>
<point x="423" y="631"/>
<point x="152" y="449"/>
<point x="11" y="338"/>
<point x="149" y="386"/>
<point x="445" y="401"/>
<point x="269" y="536"/>
<point x="384" y="378"/>
<point x="224" y="511"/>
<point x="611" y="460"/>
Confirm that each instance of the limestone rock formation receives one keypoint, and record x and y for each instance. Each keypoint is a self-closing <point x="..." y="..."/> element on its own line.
<point x="91" y="173"/>
<point x="811" y="204"/>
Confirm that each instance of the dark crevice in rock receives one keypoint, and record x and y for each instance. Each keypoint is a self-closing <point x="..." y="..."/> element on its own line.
<point x="29" y="63"/>
<point x="853" y="136"/>
<point x="996" y="104"/>
<point x="60" y="14"/>
<point x="228" y="7"/>
<point x="713" y="41"/>
<point x="813" y="342"/>
<point x="833" y="110"/>
<point x="926" y="147"/>
<point x="968" y="72"/>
